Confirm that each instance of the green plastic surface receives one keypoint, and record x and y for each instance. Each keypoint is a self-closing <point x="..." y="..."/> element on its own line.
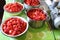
<point x="43" y="33"/>
<point x="57" y="34"/>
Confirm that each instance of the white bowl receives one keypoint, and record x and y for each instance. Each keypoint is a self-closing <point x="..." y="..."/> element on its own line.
<point x="14" y="13"/>
<point x="18" y="34"/>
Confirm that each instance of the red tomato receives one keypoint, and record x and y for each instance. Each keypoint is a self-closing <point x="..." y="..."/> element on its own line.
<point x="11" y="31"/>
<point x="8" y="23"/>
<point x="14" y="22"/>
<point x="14" y="26"/>
<point x="18" y="32"/>
<point x="4" y="26"/>
<point x="6" y="31"/>
<point x="16" y="29"/>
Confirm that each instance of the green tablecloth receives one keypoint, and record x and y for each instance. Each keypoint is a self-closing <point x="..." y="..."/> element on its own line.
<point x="57" y="34"/>
<point x="43" y="33"/>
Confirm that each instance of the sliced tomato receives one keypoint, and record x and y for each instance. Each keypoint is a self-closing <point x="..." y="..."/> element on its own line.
<point x="32" y="2"/>
<point x="13" y="7"/>
<point x="36" y="14"/>
<point x="11" y="31"/>
<point x="14" y="26"/>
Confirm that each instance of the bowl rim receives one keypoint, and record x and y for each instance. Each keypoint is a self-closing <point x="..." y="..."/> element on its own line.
<point x="13" y="12"/>
<point x="18" y="34"/>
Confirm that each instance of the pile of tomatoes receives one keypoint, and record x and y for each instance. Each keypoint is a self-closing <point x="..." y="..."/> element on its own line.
<point x="13" y="7"/>
<point x="14" y="26"/>
<point x="32" y="2"/>
<point x="36" y="14"/>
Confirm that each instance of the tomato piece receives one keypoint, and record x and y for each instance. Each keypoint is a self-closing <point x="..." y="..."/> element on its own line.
<point x="18" y="32"/>
<point x="10" y="31"/>
<point x="4" y="26"/>
<point x="14" y="22"/>
<point x="16" y="29"/>
<point x="13" y="33"/>
<point x="6" y="31"/>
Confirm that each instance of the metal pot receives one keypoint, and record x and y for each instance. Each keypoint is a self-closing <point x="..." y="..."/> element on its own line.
<point x="37" y="24"/>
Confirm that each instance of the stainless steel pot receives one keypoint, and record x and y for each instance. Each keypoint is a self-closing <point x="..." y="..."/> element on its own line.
<point x="37" y="24"/>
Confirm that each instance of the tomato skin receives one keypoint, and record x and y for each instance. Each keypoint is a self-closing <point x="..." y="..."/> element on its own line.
<point x="14" y="26"/>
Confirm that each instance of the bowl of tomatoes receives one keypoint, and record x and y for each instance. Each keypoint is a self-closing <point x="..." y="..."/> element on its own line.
<point x="28" y="4"/>
<point x="36" y="17"/>
<point x="14" y="26"/>
<point x="14" y="8"/>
